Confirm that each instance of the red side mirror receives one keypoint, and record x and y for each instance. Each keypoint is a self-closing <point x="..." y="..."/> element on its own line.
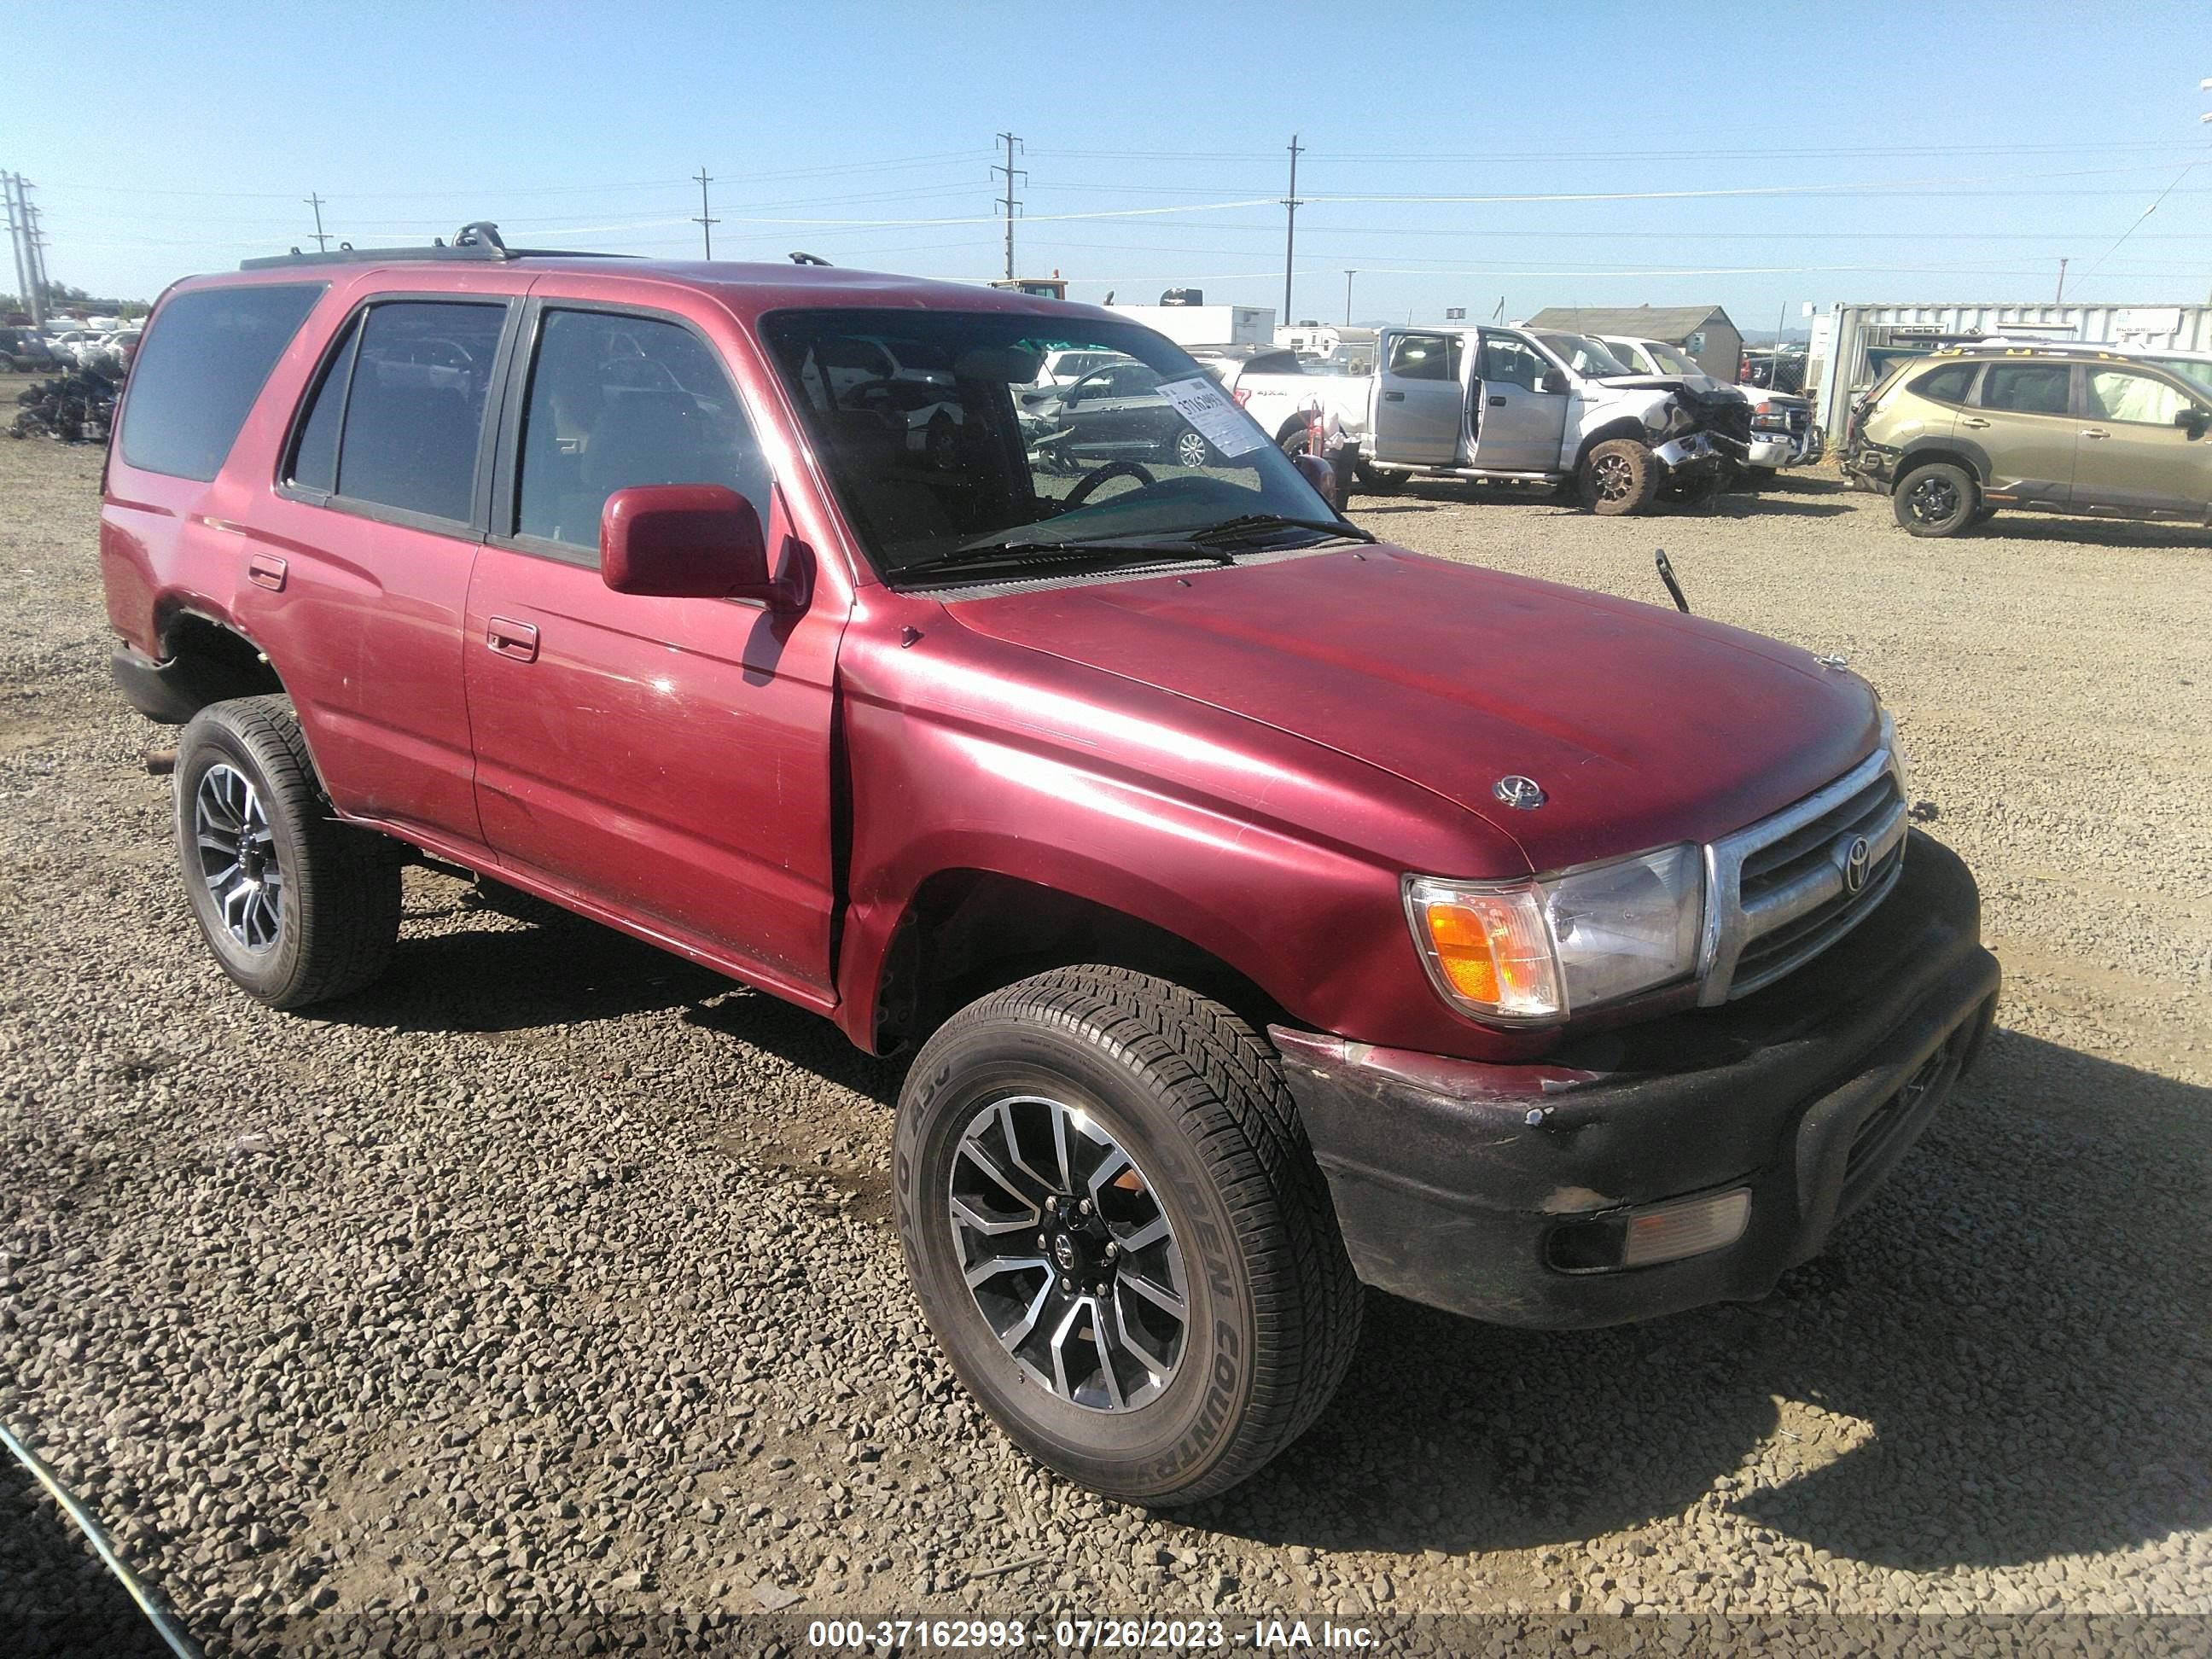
<point x="684" y="542"/>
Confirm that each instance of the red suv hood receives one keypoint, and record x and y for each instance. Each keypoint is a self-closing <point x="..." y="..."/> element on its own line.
<point x="1643" y="725"/>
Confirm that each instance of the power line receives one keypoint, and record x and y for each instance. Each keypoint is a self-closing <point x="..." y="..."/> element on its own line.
<point x="1009" y="205"/>
<point x="2140" y="217"/>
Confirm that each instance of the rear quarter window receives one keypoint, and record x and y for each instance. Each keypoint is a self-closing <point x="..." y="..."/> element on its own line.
<point x="200" y="369"/>
<point x="1946" y="385"/>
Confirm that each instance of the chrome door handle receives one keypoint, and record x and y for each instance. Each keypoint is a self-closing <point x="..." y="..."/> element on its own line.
<point x="1971" y="422"/>
<point x="511" y="639"/>
<point x="2092" y="432"/>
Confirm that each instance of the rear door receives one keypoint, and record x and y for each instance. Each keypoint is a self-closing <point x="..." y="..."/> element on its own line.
<point x="365" y="551"/>
<point x="666" y="762"/>
<point x="1519" y="426"/>
<point x="1420" y="413"/>
<point x="2132" y="454"/>
<point x="2023" y="418"/>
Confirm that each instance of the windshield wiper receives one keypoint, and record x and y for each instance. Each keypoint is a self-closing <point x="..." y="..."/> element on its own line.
<point x="1101" y="552"/>
<point x="1249" y="526"/>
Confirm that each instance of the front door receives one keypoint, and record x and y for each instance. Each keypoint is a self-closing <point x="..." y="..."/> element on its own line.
<point x="1519" y="425"/>
<point x="1420" y="412"/>
<point x="665" y="761"/>
<point x="2023" y="420"/>
<point x="2130" y="453"/>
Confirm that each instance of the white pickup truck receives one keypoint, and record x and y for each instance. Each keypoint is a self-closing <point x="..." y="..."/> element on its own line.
<point x="1508" y="406"/>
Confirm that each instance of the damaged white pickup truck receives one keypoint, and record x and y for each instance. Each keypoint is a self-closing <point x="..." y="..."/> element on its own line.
<point x="1509" y="406"/>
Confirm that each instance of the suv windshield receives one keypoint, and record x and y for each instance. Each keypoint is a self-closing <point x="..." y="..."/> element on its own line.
<point x="940" y="442"/>
<point x="1584" y="355"/>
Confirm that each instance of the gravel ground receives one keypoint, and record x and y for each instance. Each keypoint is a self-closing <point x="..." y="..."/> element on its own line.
<point x="552" y="1281"/>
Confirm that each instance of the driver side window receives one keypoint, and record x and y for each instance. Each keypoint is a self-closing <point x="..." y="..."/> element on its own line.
<point x="1508" y="361"/>
<point x="616" y="400"/>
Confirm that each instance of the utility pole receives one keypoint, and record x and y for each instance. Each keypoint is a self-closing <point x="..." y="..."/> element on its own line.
<point x="1290" y="228"/>
<point x="315" y="200"/>
<point x="29" y="260"/>
<point x="2061" y="299"/>
<point x="1348" y="275"/>
<point x="1007" y="204"/>
<point x="15" y="229"/>
<point x="706" y="224"/>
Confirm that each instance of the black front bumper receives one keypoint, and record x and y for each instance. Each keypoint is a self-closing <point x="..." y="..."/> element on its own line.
<point x="1453" y="1179"/>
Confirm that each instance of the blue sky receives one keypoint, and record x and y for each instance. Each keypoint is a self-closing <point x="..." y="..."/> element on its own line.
<point x="1927" y="152"/>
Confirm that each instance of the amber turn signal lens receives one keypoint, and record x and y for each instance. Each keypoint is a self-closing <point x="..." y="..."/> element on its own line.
<point x="1490" y="949"/>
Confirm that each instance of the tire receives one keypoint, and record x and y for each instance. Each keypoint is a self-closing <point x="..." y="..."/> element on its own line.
<point x="1194" y="1100"/>
<point x="1754" y="478"/>
<point x="1191" y="449"/>
<point x="330" y="925"/>
<point x="1295" y="439"/>
<point x="1619" y="478"/>
<point x="1379" y="483"/>
<point x="1939" y="498"/>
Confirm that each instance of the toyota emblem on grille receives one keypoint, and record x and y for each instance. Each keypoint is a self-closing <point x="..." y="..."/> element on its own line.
<point x="1858" y="857"/>
<point x="1516" y="791"/>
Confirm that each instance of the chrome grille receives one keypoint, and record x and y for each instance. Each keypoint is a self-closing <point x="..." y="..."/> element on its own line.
<point x="1781" y="890"/>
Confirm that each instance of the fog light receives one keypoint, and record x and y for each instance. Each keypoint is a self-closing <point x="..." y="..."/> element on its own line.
<point x="1642" y="1238"/>
<point x="1688" y="1228"/>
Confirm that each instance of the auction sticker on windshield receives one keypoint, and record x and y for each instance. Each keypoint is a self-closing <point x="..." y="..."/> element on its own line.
<point x="1198" y="401"/>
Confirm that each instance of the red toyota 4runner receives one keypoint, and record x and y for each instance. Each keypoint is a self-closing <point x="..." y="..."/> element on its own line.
<point x="1272" y="909"/>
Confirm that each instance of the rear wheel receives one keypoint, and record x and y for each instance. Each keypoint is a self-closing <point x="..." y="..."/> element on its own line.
<point x="296" y="907"/>
<point x="1938" y="498"/>
<point x="1619" y="477"/>
<point x="1192" y="450"/>
<point x="1119" y="1234"/>
<point x="1377" y="481"/>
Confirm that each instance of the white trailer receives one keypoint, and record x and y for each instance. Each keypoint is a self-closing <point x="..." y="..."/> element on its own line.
<point x="1191" y="325"/>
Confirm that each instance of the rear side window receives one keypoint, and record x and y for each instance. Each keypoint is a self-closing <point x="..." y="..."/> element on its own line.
<point x="397" y="417"/>
<point x="1946" y="385"/>
<point x="2030" y="388"/>
<point x="1424" y="357"/>
<point x="203" y="364"/>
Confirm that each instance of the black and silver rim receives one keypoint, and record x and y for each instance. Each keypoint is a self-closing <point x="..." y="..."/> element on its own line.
<point x="1932" y="501"/>
<point x="1190" y="449"/>
<point x="1614" y="477"/>
<point x="238" y="858"/>
<point x="1072" y="1261"/>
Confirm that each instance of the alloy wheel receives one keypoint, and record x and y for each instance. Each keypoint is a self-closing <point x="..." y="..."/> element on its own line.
<point x="1614" y="480"/>
<point x="1191" y="449"/>
<point x="1071" y="1259"/>
<point x="1933" y="500"/>
<point x="237" y="855"/>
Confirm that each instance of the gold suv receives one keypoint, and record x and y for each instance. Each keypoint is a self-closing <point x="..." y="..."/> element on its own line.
<point x="1953" y="436"/>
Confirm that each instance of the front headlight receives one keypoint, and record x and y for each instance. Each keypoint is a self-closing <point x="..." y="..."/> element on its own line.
<point x="1529" y="951"/>
<point x="1898" y="763"/>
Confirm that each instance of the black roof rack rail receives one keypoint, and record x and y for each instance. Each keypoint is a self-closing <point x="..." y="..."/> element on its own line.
<point x="478" y="242"/>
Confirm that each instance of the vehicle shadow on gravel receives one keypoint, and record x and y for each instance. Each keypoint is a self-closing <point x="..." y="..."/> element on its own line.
<point x="2091" y="532"/>
<point x="2001" y="1359"/>
<point x="56" y="1599"/>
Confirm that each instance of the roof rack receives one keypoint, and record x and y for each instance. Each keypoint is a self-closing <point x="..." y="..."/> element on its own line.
<point x="476" y="241"/>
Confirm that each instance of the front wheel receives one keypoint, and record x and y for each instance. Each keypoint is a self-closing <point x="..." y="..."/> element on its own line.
<point x="1192" y="450"/>
<point x="1118" y="1232"/>
<point x="1939" y="498"/>
<point x="1619" y="476"/>
<point x="296" y="907"/>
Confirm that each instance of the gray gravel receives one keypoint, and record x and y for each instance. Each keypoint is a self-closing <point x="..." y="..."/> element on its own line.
<point x="553" y="1277"/>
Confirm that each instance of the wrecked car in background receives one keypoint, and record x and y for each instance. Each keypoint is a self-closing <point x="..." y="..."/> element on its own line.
<point x="1515" y="407"/>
